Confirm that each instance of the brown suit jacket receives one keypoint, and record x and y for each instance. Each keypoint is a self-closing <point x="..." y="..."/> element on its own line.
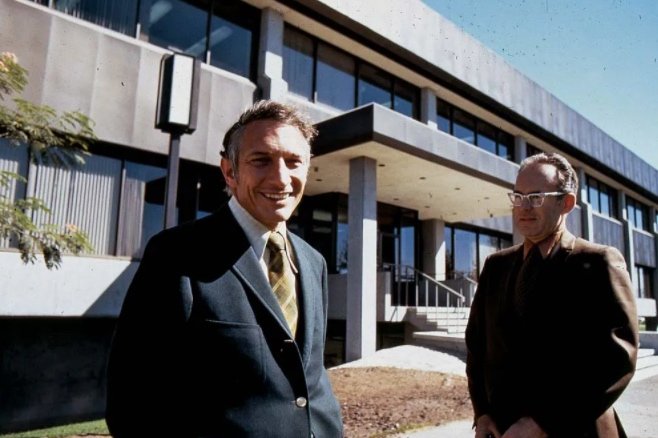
<point x="571" y="353"/>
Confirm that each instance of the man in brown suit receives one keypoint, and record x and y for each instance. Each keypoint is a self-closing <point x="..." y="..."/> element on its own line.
<point x="552" y="335"/>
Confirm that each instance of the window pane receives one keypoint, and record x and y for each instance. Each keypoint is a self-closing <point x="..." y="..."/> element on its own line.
<point x="486" y="138"/>
<point x="450" y="266"/>
<point x="374" y="86"/>
<point x="463" y="126"/>
<point x="593" y="194"/>
<point x="232" y="28"/>
<point x="119" y="15"/>
<point x="605" y="200"/>
<point x="142" y="207"/>
<point x="178" y="26"/>
<point x="298" y="63"/>
<point x="341" y="241"/>
<point x="465" y="254"/>
<point x="488" y="245"/>
<point x="87" y="196"/>
<point x="505" y="145"/>
<point x="406" y="99"/>
<point x="335" y="82"/>
<point x="443" y="115"/>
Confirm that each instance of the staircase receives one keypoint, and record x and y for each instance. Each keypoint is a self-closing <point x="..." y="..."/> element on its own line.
<point x="439" y="327"/>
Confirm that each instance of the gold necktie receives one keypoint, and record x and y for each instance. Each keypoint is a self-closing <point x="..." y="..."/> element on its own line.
<point x="282" y="279"/>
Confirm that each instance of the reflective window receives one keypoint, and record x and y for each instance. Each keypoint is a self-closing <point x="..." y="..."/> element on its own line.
<point x="487" y="245"/>
<point x="231" y="38"/>
<point x="177" y="25"/>
<point x="532" y="150"/>
<point x="298" y="63"/>
<point x="119" y="15"/>
<point x="465" y="254"/>
<point x="374" y="86"/>
<point x="443" y="116"/>
<point x="602" y="197"/>
<point x="467" y="250"/>
<point x="505" y="145"/>
<point x="463" y="126"/>
<point x="405" y="99"/>
<point x="335" y="78"/>
<point x="637" y="213"/>
<point x="486" y="137"/>
<point x="644" y="284"/>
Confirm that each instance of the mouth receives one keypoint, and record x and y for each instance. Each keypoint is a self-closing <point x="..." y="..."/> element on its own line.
<point x="276" y="196"/>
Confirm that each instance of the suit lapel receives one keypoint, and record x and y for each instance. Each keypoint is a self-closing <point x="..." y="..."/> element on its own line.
<point x="308" y="292"/>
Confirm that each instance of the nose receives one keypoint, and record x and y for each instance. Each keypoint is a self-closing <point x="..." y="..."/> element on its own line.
<point x="280" y="173"/>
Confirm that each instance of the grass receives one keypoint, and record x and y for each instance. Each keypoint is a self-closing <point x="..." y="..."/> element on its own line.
<point x="97" y="427"/>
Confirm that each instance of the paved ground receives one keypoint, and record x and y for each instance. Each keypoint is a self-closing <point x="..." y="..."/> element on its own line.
<point x="637" y="408"/>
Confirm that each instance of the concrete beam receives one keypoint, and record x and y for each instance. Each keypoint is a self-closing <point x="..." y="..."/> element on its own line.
<point x="270" y="56"/>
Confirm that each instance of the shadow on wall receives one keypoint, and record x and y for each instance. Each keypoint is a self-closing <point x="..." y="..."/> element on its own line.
<point x="53" y="368"/>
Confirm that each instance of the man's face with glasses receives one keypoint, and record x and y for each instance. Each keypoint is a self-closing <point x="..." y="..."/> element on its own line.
<point x="539" y="208"/>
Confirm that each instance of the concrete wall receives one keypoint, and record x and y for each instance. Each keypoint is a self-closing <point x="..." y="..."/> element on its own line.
<point x="75" y="65"/>
<point x="608" y="231"/>
<point x="53" y="370"/>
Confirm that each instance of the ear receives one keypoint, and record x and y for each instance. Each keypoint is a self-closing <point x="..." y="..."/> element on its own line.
<point x="569" y="203"/>
<point x="229" y="173"/>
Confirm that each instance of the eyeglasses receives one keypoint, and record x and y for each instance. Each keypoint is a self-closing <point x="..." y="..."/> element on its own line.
<point x="534" y="199"/>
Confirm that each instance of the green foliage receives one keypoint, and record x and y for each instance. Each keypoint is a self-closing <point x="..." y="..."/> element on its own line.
<point x="54" y="139"/>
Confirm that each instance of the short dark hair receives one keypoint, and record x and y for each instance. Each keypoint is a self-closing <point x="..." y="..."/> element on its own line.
<point x="567" y="177"/>
<point x="264" y="110"/>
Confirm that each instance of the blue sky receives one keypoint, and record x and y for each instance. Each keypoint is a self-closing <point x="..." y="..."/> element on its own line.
<point x="600" y="57"/>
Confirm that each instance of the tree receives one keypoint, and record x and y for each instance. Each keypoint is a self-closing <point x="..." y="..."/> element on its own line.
<point x="54" y="139"/>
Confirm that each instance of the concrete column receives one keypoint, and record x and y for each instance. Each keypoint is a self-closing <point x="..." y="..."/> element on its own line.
<point x="629" y="253"/>
<point x="520" y="149"/>
<point x="587" y="225"/>
<point x="428" y="107"/>
<point x="434" y="248"/>
<point x="361" y="327"/>
<point x="270" y="56"/>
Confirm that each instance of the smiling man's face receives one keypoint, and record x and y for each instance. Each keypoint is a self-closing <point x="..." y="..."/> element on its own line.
<point x="269" y="181"/>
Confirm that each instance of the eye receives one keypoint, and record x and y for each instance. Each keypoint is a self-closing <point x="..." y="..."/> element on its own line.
<point x="294" y="163"/>
<point x="259" y="161"/>
<point x="534" y="197"/>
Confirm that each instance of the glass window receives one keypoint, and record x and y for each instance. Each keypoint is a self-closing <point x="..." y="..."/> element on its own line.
<point x="486" y="138"/>
<point x="448" y="239"/>
<point x="374" y="86"/>
<point x="532" y="150"/>
<point x="341" y="240"/>
<point x="232" y="28"/>
<point x="443" y="115"/>
<point x="335" y="81"/>
<point x="298" y="63"/>
<point x="119" y="15"/>
<point x="644" y="284"/>
<point x="142" y="207"/>
<point x="87" y="196"/>
<point x="638" y="214"/>
<point x="405" y="100"/>
<point x="177" y="25"/>
<point x="465" y="254"/>
<point x="505" y="145"/>
<point x="487" y="245"/>
<point x="593" y="193"/>
<point x="463" y="126"/>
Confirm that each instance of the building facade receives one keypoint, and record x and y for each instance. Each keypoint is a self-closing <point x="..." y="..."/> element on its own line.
<point x="421" y="129"/>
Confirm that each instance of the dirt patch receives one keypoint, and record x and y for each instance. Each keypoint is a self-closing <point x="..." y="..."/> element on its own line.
<point x="384" y="401"/>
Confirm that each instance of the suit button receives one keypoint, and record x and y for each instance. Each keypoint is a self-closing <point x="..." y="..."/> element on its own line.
<point x="300" y="402"/>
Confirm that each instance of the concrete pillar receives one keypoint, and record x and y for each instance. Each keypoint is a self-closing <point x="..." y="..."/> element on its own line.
<point x="428" y="107"/>
<point x="587" y="224"/>
<point x="361" y="326"/>
<point x="270" y="56"/>
<point x="434" y="248"/>
<point x="629" y="253"/>
<point x="520" y="149"/>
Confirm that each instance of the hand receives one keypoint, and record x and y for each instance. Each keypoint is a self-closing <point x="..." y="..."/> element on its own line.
<point x="485" y="427"/>
<point x="525" y="427"/>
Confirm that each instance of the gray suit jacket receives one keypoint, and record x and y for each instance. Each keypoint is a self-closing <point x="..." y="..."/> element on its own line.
<point x="569" y="356"/>
<point x="202" y="348"/>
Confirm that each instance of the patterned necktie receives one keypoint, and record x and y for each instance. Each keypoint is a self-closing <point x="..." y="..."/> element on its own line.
<point x="282" y="279"/>
<point x="527" y="279"/>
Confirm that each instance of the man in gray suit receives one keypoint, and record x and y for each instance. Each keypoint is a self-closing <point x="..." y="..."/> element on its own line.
<point x="231" y="344"/>
<point x="552" y="335"/>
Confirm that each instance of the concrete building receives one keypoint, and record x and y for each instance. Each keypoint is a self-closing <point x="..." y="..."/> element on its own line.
<point x="421" y="132"/>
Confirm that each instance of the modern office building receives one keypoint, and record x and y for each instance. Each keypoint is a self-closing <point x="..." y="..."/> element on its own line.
<point x="421" y="132"/>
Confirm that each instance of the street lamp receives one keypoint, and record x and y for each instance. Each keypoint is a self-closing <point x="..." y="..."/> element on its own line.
<point x="178" y="96"/>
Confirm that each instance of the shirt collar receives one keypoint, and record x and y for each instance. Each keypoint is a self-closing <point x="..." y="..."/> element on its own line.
<point x="256" y="232"/>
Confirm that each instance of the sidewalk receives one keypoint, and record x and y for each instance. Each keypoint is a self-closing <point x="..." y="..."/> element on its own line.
<point x="637" y="408"/>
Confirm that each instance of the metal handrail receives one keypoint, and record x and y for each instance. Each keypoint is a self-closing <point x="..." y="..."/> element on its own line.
<point x="417" y="274"/>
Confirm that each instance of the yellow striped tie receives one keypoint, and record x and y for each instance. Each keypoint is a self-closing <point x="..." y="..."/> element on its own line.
<point x="282" y="279"/>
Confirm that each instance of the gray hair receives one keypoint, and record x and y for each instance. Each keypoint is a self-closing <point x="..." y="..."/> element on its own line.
<point x="567" y="177"/>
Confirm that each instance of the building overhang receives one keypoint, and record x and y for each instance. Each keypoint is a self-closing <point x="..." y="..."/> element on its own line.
<point x="418" y="167"/>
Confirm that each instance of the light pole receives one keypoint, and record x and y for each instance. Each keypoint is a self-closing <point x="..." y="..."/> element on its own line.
<point x="178" y="96"/>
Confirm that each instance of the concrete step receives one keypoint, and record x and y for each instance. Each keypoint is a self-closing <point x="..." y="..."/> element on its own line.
<point x="448" y="322"/>
<point x="442" y="340"/>
<point x="647" y="366"/>
<point x="645" y="352"/>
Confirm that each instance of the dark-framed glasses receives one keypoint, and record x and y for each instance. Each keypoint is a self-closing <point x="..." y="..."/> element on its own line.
<point x="534" y="199"/>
